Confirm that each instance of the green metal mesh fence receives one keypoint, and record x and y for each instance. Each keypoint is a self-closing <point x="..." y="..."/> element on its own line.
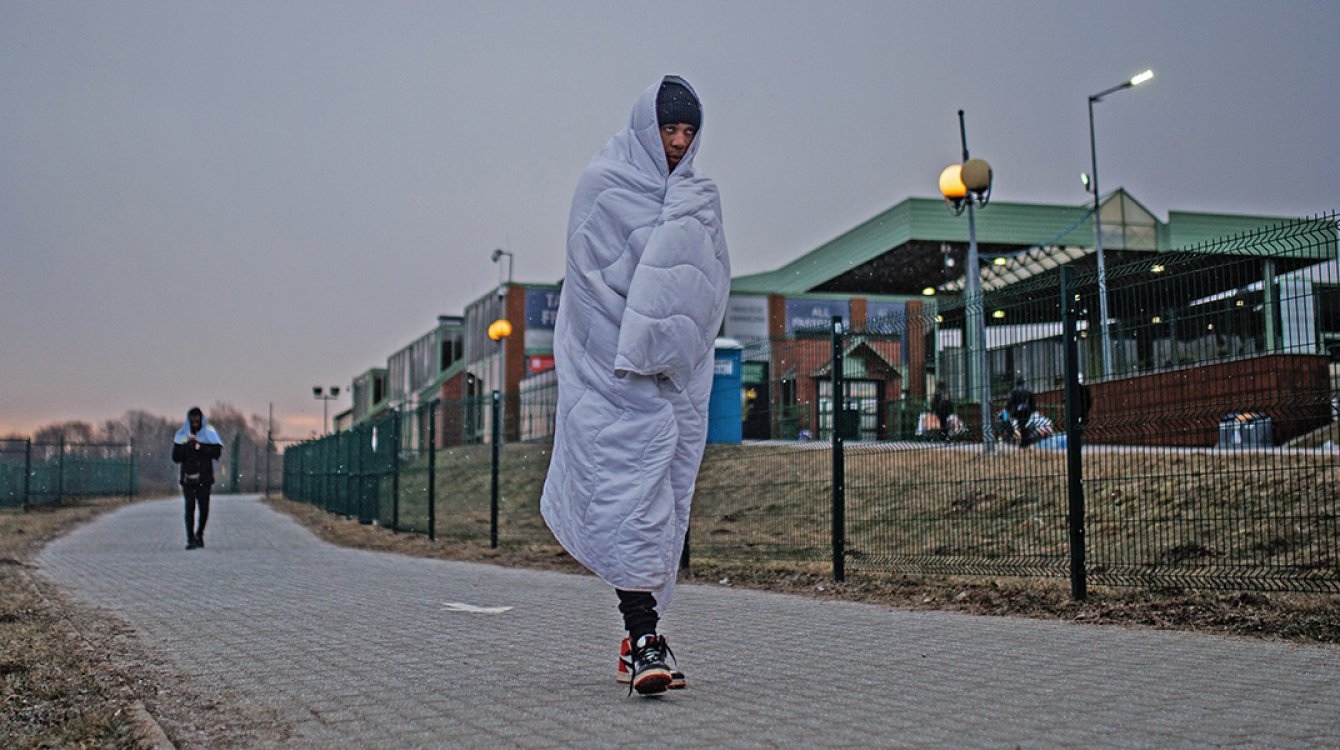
<point x="1198" y="448"/>
<point x="43" y="473"/>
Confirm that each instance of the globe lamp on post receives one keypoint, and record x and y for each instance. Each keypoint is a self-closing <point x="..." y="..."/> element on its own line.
<point x="952" y="188"/>
<point x="499" y="329"/>
<point x="968" y="186"/>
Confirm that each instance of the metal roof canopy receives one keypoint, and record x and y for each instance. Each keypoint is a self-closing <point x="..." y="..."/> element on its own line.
<point x="918" y="244"/>
<point x="1029" y="286"/>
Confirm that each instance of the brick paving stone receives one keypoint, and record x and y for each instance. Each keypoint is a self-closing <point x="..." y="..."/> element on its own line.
<point x="356" y="649"/>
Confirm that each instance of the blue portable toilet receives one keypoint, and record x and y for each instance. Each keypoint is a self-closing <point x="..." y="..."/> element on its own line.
<point x="725" y="410"/>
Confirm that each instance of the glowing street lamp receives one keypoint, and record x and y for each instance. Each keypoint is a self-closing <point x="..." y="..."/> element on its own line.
<point x="499" y="329"/>
<point x="966" y="186"/>
<point x="1098" y="221"/>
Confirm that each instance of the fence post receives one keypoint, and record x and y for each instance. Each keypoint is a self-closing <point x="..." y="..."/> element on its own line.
<point x="326" y="472"/>
<point x="399" y="423"/>
<point x="363" y="438"/>
<point x="345" y="440"/>
<point x="432" y="470"/>
<point x="27" y="470"/>
<point x="133" y="473"/>
<point x="497" y="438"/>
<point x="237" y="460"/>
<point x="269" y="449"/>
<point x="836" y="405"/>
<point x="1074" y="437"/>
<point x="60" y="473"/>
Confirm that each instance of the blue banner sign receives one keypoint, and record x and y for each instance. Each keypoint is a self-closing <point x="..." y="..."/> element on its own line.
<point x="815" y="314"/>
<point x="541" y="308"/>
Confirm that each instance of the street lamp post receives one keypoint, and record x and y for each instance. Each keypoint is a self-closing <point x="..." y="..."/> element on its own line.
<point x="498" y="330"/>
<point x="497" y="255"/>
<point x="326" y="398"/>
<point x="963" y="186"/>
<point x="1098" y="221"/>
<point x="503" y="291"/>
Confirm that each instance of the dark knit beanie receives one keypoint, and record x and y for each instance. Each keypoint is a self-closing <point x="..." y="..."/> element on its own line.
<point x="676" y="104"/>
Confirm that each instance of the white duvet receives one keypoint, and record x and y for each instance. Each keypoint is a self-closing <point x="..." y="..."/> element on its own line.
<point x="642" y="301"/>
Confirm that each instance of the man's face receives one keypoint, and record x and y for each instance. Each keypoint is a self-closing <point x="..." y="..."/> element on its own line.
<point x="676" y="138"/>
<point x="196" y="422"/>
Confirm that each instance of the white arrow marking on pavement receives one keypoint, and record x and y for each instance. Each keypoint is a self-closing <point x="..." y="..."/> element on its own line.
<point x="462" y="607"/>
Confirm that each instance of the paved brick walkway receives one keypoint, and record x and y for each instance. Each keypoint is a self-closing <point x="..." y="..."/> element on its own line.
<point x="355" y="649"/>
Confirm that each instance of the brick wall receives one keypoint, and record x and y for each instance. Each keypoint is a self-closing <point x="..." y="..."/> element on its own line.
<point x="1183" y="407"/>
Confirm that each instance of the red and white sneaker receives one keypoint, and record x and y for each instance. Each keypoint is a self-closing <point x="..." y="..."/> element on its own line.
<point x="624" y="674"/>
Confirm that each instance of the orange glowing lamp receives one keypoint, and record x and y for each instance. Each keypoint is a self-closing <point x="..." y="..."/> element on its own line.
<point x="951" y="182"/>
<point x="499" y="329"/>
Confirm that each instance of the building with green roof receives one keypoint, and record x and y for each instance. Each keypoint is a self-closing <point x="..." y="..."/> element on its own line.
<point x="899" y="276"/>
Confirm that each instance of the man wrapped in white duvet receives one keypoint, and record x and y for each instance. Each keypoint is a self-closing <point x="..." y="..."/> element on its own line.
<point x="642" y="301"/>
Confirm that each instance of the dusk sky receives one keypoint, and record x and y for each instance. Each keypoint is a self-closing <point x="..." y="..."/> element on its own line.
<point x="235" y="201"/>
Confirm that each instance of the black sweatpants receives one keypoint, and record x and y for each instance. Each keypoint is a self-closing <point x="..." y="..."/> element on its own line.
<point x="197" y="495"/>
<point x="639" y="612"/>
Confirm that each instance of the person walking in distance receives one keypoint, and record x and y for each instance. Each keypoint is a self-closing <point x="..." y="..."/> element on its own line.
<point x="196" y="447"/>
<point x="641" y="305"/>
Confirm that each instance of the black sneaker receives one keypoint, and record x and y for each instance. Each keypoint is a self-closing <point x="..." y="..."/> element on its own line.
<point x="623" y="674"/>
<point x="650" y="672"/>
<point x="191" y="544"/>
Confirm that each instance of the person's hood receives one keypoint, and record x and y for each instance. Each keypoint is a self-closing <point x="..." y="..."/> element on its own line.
<point x="646" y="132"/>
<point x="205" y="435"/>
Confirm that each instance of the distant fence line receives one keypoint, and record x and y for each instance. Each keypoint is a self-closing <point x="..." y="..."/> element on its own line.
<point x="1208" y="459"/>
<point x="44" y="473"/>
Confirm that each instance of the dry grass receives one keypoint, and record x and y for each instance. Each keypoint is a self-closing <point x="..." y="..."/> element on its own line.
<point x="1164" y="516"/>
<point x="1292" y="617"/>
<point x="57" y="688"/>
<point x="71" y="677"/>
<point x="1154" y="518"/>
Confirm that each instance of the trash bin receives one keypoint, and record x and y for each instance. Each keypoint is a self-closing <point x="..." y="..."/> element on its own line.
<point x="725" y="409"/>
<point x="1246" y="431"/>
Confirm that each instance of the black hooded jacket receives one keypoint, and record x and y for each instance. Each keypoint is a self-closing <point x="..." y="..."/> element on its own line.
<point x="200" y="458"/>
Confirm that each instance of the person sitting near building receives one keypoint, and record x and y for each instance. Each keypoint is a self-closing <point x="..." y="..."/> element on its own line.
<point x="942" y="406"/>
<point x="1085" y="404"/>
<point x="1020" y="407"/>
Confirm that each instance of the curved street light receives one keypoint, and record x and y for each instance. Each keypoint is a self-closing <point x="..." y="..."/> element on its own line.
<point x="1098" y="221"/>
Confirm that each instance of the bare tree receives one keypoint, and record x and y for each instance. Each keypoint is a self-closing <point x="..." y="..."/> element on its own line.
<point x="247" y="451"/>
